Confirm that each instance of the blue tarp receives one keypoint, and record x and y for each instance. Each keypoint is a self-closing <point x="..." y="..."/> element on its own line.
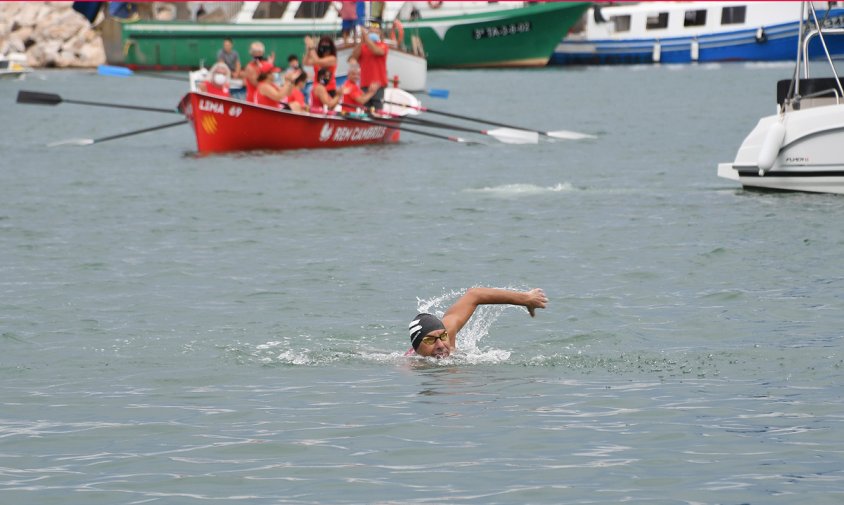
<point x="88" y="9"/>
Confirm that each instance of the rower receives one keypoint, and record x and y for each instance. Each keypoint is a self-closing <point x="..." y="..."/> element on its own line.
<point x="321" y="100"/>
<point x="354" y="97"/>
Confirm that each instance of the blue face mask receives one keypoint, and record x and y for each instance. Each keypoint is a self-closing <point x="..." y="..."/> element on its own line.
<point x="374" y="37"/>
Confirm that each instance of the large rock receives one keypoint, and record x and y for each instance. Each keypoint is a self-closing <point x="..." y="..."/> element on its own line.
<point x="51" y="34"/>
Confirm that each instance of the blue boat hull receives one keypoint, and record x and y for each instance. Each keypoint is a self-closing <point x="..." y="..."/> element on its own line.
<point x="777" y="43"/>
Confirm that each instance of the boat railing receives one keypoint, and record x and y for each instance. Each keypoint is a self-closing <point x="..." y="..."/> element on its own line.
<point x="815" y="92"/>
<point x="790" y="96"/>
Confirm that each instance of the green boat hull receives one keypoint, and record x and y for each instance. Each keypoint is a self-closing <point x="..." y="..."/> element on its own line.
<point x="525" y="36"/>
<point x="521" y="37"/>
<point x="172" y="45"/>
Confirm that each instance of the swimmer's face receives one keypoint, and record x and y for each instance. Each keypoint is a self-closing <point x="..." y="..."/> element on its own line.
<point x="435" y="344"/>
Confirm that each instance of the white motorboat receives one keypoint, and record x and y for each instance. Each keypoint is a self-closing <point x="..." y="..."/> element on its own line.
<point x="13" y="66"/>
<point x="800" y="147"/>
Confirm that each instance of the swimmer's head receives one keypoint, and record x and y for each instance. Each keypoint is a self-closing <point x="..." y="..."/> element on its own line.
<point x="428" y="336"/>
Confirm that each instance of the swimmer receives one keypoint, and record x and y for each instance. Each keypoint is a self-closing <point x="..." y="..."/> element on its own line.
<point x="431" y="336"/>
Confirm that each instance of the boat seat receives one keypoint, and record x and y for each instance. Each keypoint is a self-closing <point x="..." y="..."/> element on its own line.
<point x="822" y="88"/>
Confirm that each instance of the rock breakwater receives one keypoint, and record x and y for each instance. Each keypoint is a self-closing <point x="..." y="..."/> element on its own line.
<point x="50" y="34"/>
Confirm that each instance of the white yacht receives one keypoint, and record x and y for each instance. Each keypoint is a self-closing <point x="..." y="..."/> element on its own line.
<point x="800" y="147"/>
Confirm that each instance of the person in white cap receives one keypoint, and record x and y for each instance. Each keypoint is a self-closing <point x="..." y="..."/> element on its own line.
<point x="431" y="336"/>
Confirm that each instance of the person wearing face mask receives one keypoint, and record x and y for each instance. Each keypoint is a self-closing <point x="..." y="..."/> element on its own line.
<point x="267" y="92"/>
<point x="322" y="54"/>
<point x="253" y="69"/>
<point x="218" y="81"/>
<point x="292" y="66"/>
<point x="321" y="101"/>
<point x="295" y="101"/>
<point x="435" y="337"/>
<point x="371" y="54"/>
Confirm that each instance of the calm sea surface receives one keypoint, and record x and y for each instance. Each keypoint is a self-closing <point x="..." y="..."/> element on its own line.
<point x="177" y="329"/>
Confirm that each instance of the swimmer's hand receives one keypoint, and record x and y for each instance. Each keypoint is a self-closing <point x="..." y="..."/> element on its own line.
<point x="536" y="299"/>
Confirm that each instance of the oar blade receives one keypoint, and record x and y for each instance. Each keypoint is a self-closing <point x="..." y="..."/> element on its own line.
<point x="437" y="93"/>
<point x="512" y="136"/>
<point x="114" y="71"/>
<point x="569" y="135"/>
<point x="71" y="142"/>
<point x="38" y="98"/>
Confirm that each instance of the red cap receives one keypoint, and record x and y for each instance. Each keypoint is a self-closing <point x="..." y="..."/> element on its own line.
<point x="268" y="66"/>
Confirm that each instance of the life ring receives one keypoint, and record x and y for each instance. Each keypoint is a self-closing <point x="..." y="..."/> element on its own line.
<point x="397" y="33"/>
<point x="434" y="5"/>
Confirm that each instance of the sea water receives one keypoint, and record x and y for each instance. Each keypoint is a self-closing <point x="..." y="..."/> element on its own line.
<point x="182" y="329"/>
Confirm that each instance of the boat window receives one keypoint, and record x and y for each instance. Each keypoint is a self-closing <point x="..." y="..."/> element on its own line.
<point x="733" y="15"/>
<point x="270" y="10"/>
<point x="657" y="21"/>
<point x="312" y="10"/>
<point x="621" y="23"/>
<point x="695" y="18"/>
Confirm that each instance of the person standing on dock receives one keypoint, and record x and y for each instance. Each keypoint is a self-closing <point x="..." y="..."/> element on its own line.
<point x="349" y="14"/>
<point x="431" y="336"/>
<point x="230" y="57"/>
<point x="371" y="53"/>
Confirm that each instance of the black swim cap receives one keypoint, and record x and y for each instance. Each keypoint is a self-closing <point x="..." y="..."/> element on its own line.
<point x="422" y="325"/>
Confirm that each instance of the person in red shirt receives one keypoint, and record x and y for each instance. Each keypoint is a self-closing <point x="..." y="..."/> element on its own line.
<point x="218" y="81"/>
<point x="295" y="101"/>
<point x="252" y="70"/>
<point x="371" y="53"/>
<point x="321" y="100"/>
<point x="354" y="97"/>
<point x="322" y="54"/>
<point x="267" y="92"/>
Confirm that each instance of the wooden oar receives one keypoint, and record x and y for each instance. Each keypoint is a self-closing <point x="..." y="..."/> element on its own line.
<point x="559" y="134"/>
<point x="504" y="135"/>
<point x="87" y="142"/>
<point x="38" y="98"/>
<point x="390" y="124"/>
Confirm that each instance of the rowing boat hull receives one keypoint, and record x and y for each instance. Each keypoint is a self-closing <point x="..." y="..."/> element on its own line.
<point x="225" y="125"/>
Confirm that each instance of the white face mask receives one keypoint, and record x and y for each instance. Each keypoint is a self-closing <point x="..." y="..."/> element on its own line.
<point x="219" y="79"/>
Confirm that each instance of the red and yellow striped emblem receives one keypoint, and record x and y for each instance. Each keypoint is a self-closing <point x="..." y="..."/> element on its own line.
<point x="209" y="124"/>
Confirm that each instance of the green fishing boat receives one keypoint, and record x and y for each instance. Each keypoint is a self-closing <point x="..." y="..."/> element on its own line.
<point x="449" y="34"/>
<point x="507" y="37"/>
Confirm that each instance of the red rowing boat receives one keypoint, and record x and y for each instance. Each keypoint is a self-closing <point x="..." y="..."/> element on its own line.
<point x="224" y="125"/>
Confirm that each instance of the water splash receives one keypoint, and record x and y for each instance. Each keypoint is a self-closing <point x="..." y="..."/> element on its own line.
<point x="518" y="190"/>
<point x="476" y="329"/>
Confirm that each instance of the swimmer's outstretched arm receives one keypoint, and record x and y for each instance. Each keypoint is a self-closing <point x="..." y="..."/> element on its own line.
<point x="458" y="314"/>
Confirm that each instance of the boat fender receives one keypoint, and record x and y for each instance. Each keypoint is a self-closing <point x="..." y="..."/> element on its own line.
<point x="761" y="36"/>
<point x="695" y="50"/>
<point x="435" y="5"/>
<point x="657" y="53"/>
<point x="397" y="33"/>
<point x="770" y="147"/>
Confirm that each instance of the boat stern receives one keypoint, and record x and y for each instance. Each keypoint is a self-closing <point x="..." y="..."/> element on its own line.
<point x="726" y="171"/>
